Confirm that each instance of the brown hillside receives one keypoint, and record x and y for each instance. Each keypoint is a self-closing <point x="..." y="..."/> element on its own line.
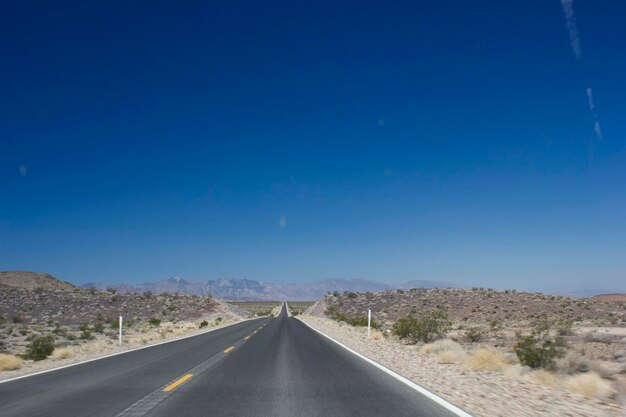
<point x="473" y="306"/>
<point x="33" y="280"/>
<point x="610" y="298"/>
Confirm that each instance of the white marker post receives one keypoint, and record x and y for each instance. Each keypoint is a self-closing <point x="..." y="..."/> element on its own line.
<point x="120" y="337"/>
<point x="369" y="321"/>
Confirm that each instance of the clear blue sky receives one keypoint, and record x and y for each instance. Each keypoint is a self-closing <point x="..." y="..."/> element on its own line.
<point x="292" y="141"/>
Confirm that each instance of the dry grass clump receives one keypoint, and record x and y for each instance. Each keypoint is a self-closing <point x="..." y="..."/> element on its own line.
<point x="9" y="362"/>
<point x="447" y="351"/>
<point x="443" y="345"/>
<point x="449" y="356"/>
<point x="590" y="385"/>
<point x="376" y="335"/>
<point x="544" y="377"/>
<point x="486" y="359"/>
<point x="515" y="371"/>
<point x="573" y="363"/>
<point x="62" y="353"/>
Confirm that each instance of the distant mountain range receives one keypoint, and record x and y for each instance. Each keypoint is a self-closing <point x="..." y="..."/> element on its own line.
<point x="245" y="289"/>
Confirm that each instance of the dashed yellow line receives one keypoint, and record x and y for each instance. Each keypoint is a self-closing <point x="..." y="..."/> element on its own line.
<point x="229" y="349"/>
<point x="177" y="383"/>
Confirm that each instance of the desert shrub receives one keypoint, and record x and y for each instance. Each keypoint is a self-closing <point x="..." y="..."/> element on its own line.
<point x="449" y="357"/>
<point x="335" y="293"/>
<point x="543" y="377"/>
<point x="442" y="345"/>
<point x="62" y="353"/>
<point x="114" y="323"/>
<point x="539" y="349"/>
<point x="204" y="323"/>
<point x="447" y="351"/>
<point x="564" y="328"/>
<point x="590" y="385"/>
<point x="360" y="321"/>
<point x="98" y="327"/>
<point x="3" y="320"/>
<point x="111" y="290"/>
<point x="86" y="335"/>
<point x="154" y="322"/>
<point x="264" y="313"/>
<point x="147" y="294"/>
<point x="486" y="359"/>
<point x="573" y="363"/>
<point x="83" y="327"/>
<point x="376" y="335"/>
<point x="9" y="362"/>
<point x="17" y="318"/>
<point x="495" y="326"/>
<point x="350" y="294"/>
<point x="474" y="334"/>
<point x="40" y="348"/>
<point x="429" y="327"/>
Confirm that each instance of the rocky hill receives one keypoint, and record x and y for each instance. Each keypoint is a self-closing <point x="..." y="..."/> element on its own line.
<point x="474" y="306"/>
<point x="33" y="280"/>
<point x="611" y="298"/>
<point x="65" y="312"/>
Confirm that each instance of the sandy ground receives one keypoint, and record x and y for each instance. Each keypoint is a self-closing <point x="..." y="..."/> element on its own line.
<point x="482" y="394"/>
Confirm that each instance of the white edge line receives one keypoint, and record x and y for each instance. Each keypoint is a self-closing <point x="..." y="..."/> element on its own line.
<point x="45" y="371"/>
<point x="445" y="404"/>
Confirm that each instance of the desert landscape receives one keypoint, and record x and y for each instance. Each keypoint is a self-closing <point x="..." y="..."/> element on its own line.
<point x="46" y="322"/>
<point x="544" y="355"/>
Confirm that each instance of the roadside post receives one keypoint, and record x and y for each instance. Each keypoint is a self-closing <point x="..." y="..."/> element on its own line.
<point x="120" y="336"/>
<point x="369" y="321"/>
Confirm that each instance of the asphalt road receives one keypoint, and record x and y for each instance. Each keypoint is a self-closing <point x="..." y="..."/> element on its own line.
<point x="265" y="367"/>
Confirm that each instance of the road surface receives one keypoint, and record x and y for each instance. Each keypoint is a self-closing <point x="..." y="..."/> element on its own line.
<point x="265" y="367"/>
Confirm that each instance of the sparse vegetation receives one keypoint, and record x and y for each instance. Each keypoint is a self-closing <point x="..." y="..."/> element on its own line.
<point x="539" y="349"/>
<point x="474" y="334"/>
<point x="62" y="353"/>
<point x="429" y="327"/>
<point x="40" y="348"/>
<point x="486" y="359"/>
<point x="353" y="321"/>
<point x="9" y="362"/>
<point x="154" y="321"/>
<point x="203" y="324"/>
<point x="590" y="385"/>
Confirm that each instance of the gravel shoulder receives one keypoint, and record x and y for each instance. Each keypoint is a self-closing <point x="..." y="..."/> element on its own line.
<point x="483" y="394"/>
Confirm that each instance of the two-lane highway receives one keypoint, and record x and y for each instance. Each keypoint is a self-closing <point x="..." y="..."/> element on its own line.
<point x="265" y="367"/>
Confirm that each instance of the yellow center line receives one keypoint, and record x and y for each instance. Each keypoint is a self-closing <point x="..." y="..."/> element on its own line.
<point x="177" y="383"/>
<point x="246" y="338"/>
<point x="229" y="349"/>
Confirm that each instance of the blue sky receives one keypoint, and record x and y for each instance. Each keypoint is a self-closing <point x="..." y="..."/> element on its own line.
<point x="292" y="141"/>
